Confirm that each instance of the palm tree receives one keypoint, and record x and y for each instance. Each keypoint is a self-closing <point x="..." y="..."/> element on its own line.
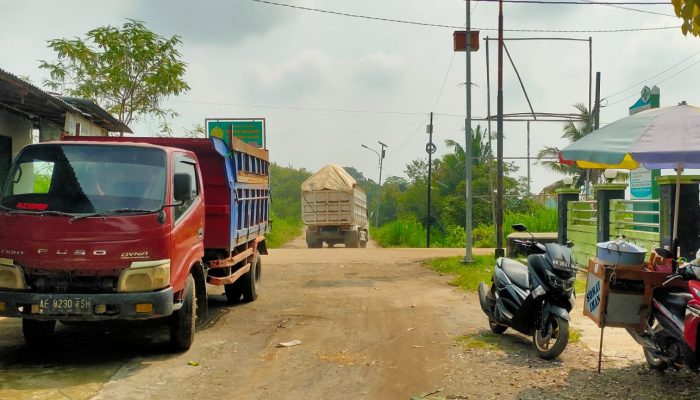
<point x="573" y="131"/>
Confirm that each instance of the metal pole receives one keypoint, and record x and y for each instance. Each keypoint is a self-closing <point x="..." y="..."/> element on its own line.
<point x="468" y="143"/>
<point x="528" y="159"/>
<point x="430" y="173"/>
<point x="590" y="71"/>
<point x="488" y="113"/>
<point x="500" y="252"/>
<point x="596" y="108"/>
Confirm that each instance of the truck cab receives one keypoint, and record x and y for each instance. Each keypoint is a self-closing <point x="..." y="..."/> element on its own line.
<point x="110" y="230"/>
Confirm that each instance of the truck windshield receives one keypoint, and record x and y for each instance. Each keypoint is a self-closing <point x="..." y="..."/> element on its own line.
<point x="78" y="179"/>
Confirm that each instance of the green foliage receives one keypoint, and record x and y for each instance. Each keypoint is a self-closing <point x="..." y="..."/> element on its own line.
<point x="128" y="71"/>
<point x="405" y="232"/>
<point x="466" y="276"/>
<point x="285" y="187"/>
<point x="283" y="230"/>
<point x="689" y="12"/>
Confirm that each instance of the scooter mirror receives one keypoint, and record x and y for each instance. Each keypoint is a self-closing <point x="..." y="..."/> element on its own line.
<point x="665" y="253"/>
<point x="569" y="243"/>
<point x="519" y="227"/>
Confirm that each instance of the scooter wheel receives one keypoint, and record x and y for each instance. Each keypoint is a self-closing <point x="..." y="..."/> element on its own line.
<point x="553" y="342"/>
<point x="496" y="327"/>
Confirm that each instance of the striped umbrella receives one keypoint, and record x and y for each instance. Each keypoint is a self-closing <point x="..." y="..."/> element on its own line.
<point x="667" y="137"/>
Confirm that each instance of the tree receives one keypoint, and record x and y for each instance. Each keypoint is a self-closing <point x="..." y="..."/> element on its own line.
<point x="573" y="131"/>
<point x="689" y="11"/>
<point x="128" y="71"/>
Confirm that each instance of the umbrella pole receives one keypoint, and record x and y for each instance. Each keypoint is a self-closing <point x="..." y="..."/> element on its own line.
<point x="674" y="243"/>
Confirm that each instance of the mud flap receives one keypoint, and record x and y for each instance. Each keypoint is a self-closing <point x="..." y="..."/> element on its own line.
<point x="556" y="310"/>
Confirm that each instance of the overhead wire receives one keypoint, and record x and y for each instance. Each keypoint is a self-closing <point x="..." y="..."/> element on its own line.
<point x="636" y="85"/>
<point x="393" y="20"/>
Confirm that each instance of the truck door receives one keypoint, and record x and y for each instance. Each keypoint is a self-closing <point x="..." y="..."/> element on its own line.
<point x="187" y="239"/>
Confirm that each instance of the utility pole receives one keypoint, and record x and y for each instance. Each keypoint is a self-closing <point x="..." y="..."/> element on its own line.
<point x="381" y="159"/>
<point x="430" y="149"/>
<point x="528" y="160"/>
<point x="468" y="143"/>
<point x="596" y="108"/>
<point x="500" y="252"/>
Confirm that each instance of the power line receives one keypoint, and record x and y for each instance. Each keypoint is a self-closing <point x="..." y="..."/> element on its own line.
<point x="437" y="100"/>
<point x="399" y="21"/>
<point x="297" y="108"/>
<point x="584" y="2"/>
<point x="636" y="85"/>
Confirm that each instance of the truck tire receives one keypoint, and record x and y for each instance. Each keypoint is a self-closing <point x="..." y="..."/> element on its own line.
<point x="314" y="245"/>
<point x="363" y="243"/>
<point x="352" y="240"/>
<point x="37" y="333"/>
<point x="251" y="280"/>
<point x="182" y="321"/>
<point x="233" y="292"/>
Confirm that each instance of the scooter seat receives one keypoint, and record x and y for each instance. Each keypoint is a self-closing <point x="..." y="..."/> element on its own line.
<point x="675" y="301"/>
<point x="515" y="271"/>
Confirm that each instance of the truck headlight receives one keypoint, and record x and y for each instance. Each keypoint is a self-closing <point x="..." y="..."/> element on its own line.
<point x="11" y="276"/>
<point x="145" y="276"/>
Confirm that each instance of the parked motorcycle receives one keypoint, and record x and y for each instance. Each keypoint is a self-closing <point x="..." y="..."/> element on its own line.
<point x="534" y="299"/>
<point x="670" y="336"/>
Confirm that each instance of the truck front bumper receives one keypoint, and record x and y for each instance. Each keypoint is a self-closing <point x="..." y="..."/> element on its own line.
<point x="102" y="306"/>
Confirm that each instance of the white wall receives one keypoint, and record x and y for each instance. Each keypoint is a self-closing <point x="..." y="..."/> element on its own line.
<point x="16" y="127"/>
<point x="87" y="128"/>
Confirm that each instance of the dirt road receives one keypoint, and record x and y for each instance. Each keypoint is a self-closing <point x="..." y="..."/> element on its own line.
<point x="373" y="324"/>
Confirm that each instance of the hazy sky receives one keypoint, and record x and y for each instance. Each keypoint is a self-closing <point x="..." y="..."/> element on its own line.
<point x="327" y="84"/>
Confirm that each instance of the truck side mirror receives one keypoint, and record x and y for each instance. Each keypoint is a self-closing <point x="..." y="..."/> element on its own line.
<point x="182" y="190"/>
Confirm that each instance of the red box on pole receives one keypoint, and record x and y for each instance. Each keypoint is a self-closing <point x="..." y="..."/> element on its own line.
<point x="460" y="40"/>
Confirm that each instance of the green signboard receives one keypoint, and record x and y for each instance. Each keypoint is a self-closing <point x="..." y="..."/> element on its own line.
<point x="250" y="132"/>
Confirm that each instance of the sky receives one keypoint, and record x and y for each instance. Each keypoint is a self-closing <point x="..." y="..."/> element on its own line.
<point x="326" y="84"/>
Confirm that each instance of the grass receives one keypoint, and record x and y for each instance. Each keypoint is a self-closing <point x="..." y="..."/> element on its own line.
<point x="466" y="276"/>
<point x="481" y="341"/>
<point x="283" y="230"/>
<point x="405" y="232"/>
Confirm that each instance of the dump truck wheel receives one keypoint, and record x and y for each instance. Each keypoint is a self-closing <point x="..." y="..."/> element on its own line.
<point x="353" y="240"/>
<point x="251" y="280"/>
<point x="233" y="292"/>
<point x="182" y="322"/>
<point x="37" y="333"/>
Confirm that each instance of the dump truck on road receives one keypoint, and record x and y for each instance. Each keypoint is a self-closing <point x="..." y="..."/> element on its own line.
<point x="334" y="209"/>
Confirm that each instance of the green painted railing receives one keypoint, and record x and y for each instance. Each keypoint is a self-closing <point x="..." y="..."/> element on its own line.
<point x="581" y="229"/>
<point x="637" y="220"/>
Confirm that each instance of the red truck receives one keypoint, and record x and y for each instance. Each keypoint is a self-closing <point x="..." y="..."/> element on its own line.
<point x="102" y="228"/>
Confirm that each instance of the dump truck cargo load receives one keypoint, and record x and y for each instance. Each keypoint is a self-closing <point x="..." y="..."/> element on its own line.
<point x="334" y="209"/>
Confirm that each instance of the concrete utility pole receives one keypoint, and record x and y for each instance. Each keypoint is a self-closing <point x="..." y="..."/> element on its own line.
<point x="430" y="149"/>
<point x="381" y="159"/>
<point x="468" y="143"/>
<point x="500" y="252"/>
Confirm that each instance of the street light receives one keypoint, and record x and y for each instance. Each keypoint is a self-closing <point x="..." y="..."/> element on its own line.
<point x="381" y="158"/>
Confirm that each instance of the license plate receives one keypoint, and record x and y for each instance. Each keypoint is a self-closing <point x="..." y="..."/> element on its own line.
<point x="65" y="306"/>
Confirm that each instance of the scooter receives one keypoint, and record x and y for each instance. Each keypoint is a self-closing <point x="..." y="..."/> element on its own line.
<point x="670" y="336"/>
<point x="534" y="299"/>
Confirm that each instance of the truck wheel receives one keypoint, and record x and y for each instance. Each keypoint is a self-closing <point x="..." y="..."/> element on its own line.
<point x="182" y="322"/>
<point x="314" y="245"/>
<point x="37" y="333"/>
<point x="233" y="292"/>
<point x="352" y="240"/>
<point x="363" y="243"/>
<point x="251" y="280"/>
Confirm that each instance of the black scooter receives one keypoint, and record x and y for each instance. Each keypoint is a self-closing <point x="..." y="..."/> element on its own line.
<point x="534" y="299"/>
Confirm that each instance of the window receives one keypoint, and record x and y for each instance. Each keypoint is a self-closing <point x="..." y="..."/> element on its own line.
<point x="87" y="179"/>
<point x="187" y="166"/>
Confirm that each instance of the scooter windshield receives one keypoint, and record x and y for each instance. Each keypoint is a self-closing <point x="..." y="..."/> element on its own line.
<point x="560" y="257"/>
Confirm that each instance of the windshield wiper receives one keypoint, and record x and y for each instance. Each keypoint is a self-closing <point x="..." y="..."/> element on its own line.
<point x="129" y="210"/>
<point x="104" y="214"/>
